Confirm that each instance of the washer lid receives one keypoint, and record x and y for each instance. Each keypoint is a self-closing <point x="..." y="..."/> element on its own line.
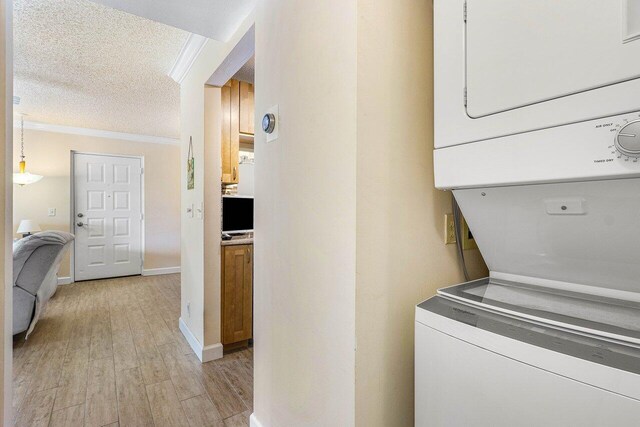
<point x="592" y="349"/>
<point x="584" y="233"/>
<point x="595" y="315"/>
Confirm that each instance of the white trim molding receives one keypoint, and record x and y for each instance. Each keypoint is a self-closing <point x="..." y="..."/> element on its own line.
<point x="99" y="133"/>
<point x="253" y="421"/>
<point x="187" y="56"/>
<point x="64" y="280"/>
<point x="159" y="271"/>
<point x="207" y="354"/>
<point x="212" y="352"/>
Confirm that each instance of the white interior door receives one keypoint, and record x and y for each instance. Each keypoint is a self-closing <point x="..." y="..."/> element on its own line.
<point x="108" y="216"/>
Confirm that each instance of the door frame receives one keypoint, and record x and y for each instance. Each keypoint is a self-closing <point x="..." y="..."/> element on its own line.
<point x="72" y="207"/>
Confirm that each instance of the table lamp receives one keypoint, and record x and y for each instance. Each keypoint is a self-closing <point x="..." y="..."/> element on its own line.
<point x="27" y="227"/>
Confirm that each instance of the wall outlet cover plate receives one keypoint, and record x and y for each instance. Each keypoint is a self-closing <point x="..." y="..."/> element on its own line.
<point x="449" y="229"/>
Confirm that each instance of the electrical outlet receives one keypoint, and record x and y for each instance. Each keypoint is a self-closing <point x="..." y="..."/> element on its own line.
<point x="52" y="212"/>
<point x="449" y="229"/>
<point x="468" y="242"/>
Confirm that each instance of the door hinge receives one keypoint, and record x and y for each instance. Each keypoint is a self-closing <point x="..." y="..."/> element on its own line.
<point x="141" y="216"/>
<point x="465" y="96"/>
<point x="464" y="12"/>
<point x="141" y="171"/>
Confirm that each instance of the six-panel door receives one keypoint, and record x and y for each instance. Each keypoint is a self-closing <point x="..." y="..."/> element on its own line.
<point x="108" y="216"/>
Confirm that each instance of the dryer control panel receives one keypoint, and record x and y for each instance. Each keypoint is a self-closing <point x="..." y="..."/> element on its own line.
<point x="605" y="148"/>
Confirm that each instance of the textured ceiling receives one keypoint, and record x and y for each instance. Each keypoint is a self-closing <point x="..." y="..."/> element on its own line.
<point x="78" y="63"/>
<point x="215" y="19"/>
<point x="247" y="72"/>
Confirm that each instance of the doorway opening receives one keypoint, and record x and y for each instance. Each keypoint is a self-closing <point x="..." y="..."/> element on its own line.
<point x="111" y="350"/>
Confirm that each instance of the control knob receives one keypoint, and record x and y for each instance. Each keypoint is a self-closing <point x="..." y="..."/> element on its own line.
<point x="628" y="139"/>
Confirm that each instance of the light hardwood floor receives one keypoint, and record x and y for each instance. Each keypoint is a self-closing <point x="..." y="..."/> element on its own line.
<point x="109" y="353"/>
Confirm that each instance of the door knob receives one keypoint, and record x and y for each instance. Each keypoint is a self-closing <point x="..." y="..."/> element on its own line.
<point x="80" y="215"/>
<point x="80" y="224"/>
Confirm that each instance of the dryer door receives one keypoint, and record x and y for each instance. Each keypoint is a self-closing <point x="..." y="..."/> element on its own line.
<point x="528" y="51"/>
<point x="504" y="67"/>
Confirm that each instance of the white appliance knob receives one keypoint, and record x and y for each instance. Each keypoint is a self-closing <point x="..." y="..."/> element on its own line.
<point x="628" y="139"/>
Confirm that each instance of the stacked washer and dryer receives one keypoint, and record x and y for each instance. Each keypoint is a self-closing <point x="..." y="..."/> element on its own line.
<point x="537" y="133"/>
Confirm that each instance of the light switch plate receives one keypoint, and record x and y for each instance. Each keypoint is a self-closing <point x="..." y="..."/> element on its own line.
<point x="52" y="212"/>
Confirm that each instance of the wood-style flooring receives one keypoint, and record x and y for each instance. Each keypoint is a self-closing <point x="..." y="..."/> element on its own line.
<point x="109" y="353"/>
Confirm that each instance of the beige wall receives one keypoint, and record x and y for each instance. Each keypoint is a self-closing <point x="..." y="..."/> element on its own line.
<point x="305" y="214"/>
<point x="401" y="257"/>
<point x="346" y="189"/>
<point x="201" y="267"/>
<point x="48" y="154"/>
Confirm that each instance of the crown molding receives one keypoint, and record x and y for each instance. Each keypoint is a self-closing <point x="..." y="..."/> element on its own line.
<point x="187" y="56"/>
<point x="97" y="133"/>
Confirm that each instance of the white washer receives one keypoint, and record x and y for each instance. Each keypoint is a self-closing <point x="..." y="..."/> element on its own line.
<point x="478" y="368"/>
<point x="537" y="126"/>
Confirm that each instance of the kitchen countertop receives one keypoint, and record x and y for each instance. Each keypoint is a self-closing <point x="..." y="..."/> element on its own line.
<point x="246" y="239"/>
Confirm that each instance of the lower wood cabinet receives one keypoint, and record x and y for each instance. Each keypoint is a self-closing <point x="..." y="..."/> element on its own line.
<point x="237" y="295"/>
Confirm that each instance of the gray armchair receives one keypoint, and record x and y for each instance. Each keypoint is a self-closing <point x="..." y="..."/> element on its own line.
<point x="36" y="261"/>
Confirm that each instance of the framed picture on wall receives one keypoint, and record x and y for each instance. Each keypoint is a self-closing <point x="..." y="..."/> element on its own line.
<point x="190" y="166"/>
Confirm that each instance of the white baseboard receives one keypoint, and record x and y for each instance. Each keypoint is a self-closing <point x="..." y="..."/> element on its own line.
<point x="207" y="354"/>
<point x="191" y="339"/>
<point x="64" y="280"/>
<point x="158" y="271"/>
<point x="212" y="352"/>
<point x="253" y="421"/>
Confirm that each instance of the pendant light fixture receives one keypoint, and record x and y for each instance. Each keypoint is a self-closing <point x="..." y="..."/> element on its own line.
<point x="23" y="177"/>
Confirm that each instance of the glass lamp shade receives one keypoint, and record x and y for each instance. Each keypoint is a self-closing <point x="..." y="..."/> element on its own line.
<point x="28" y="226"/>
<point x="25" y="178"/>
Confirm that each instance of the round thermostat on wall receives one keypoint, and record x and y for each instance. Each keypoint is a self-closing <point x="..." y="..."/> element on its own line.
<point x="269" y="122"/>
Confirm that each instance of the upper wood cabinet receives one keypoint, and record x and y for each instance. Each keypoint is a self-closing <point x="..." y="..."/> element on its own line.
<point x="230" y="134"/>
<point x="237" y="122"/>
<point x="247" y="108"/>
<point x="237" y="294"/>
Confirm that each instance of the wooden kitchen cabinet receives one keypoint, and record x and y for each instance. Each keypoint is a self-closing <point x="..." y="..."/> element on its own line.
<point x="247" y="108"/>
<point x="237" y="125"/>
<point x="230" y="141"/>
<point x="237" y="295"/>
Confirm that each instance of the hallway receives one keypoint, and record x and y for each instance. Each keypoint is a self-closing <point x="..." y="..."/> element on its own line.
<point x="109" y="353"/>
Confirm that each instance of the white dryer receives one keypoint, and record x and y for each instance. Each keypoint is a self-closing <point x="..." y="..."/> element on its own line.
<point x="504" y="67"/>
<point x="537" y="114"/>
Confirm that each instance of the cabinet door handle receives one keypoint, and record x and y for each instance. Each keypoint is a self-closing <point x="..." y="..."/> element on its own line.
<point x="234" y="173"/>
<point x="248" y="256"/>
